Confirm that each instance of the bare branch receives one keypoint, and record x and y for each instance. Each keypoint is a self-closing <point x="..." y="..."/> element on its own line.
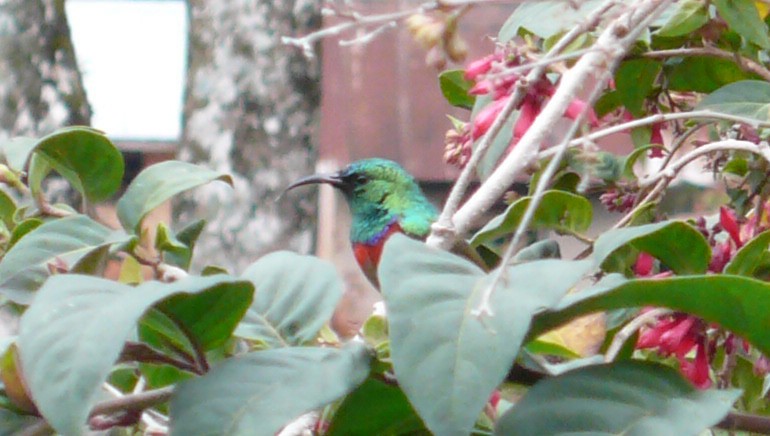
<point x="744" y="63"/>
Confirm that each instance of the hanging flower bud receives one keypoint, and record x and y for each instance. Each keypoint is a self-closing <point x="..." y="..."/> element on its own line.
<point x="480" y="66"/>
<point x="486" y="117"/>
<point x="576" y="107"/>
<point x="729" y="223"/>
<point x="644" y="264"/>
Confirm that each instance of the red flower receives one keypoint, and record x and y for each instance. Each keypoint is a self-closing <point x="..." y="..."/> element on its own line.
<point x="643" y="265"/>
<point x="730" y="225"/>
<point x="486" y="117"/>
<point x="697" y="371"/>
<point x="480" y="66"/>
<point x="576" y="107"/>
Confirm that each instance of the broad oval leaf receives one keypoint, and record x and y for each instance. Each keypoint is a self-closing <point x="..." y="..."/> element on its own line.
<point x="626" y="397"/>
<point x="747" y="98"/>
<point x="74" y="333"/>
<point x="448" y="359"/>
<point x="558" y="210"/>
<point x="634" y="80"/>
<point x="455" y="88"/>
<point x="260" y="392"/>
<point x="704" y="74"/>
<point x="295" y="296"/>
<point x="379" y="408"/>
<point x="739" y="304"/>
<point x="158" y="183"/>
<point x="86" y="158"/>
<point x="63" y="241"/>
<point x="545" y="18"/>
<point x="743" y="17"/>
<point x="675" y="243"/>
<point x="689" y="16"/>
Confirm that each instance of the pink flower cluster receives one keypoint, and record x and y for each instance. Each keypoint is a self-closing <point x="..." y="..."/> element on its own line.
<point x="678" y="334"/>
<point x="490" y="77"/>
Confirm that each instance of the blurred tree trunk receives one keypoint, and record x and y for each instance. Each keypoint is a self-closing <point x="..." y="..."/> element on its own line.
<point x="251" y="110"/>
<point x="40" y="84"/>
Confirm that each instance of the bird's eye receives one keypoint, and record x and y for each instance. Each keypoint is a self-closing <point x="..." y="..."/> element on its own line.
<point x="360" y="179"/>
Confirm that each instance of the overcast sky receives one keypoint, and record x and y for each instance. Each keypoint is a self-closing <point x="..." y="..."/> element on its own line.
<point x="132" y="56"/>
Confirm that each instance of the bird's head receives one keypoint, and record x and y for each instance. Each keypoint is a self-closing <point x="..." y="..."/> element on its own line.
<point x="378" y="191"/>
<point x="369" y="181"/>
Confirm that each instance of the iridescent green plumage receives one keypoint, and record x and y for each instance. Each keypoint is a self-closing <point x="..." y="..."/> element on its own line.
<point x="381" y="193"/>
<point x="383" y="199"/>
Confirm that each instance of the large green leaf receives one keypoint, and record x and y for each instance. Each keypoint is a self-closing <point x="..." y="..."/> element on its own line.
<point x="739" y="304"/>
<point x="743" y="17"/>
<point x="675" y="243"/>
<point x="634" y="80"/>
<point x="376" y="408"/>
<point x="455" y="88"/>
<point x="447" y="359"/>
<point x="159" y="183"/>
<point x="689" y="16"/>
<point x="558" y="210"/>
<point x="209" y="317"/>
<point x="62" y="241"/>
<point x="704" y="74"/>
<point x="627" y="397"/>
<point x="295" y="296"/>
<point x="747" y="98"/>
<point x="545" y="18"/>
<point x="86" y="158"/>
<point x="260" y="392"/>
<point x="74" y="333"/>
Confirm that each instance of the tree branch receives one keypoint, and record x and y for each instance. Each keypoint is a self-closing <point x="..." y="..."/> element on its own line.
<point x="610" y="47"/>
<point x="443" y="232"/>
<point x="744" y="63"/>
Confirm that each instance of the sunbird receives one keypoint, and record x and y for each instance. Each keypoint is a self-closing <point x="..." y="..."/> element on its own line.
<point x="383" y="199"/>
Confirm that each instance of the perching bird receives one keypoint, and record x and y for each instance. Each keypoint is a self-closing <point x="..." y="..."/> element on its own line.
<point x="383" y="199"/>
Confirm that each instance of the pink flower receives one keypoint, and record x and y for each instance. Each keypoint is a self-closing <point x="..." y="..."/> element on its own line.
<point x="576" y="107"/>
<point x="480" y="66"/>
<point x="529" y="110"/>
<point x="486" y="117"/>
<point x="697" y="371"/>
<point x="644" y="263"/>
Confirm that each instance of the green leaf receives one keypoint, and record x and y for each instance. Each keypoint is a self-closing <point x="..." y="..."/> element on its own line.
<point x="376" y="408"/>
<point x="747" y="98"/>
<point x="627" y="397"/>
<point x="74" y="333"/>
<point x="743" y="17"/>
<point x="86" y="158"/>
<point x="736" y="303"/>
<point x="634" y="81"/>
<point x="296" y="296"/>
<point x="455" y="88"/>
<point x="558" y="210"/>
<point x="66" y="240"/>
<point x="690" y="16"/>
<point x="7" y="209"/>
<point x="678" y="245"/>
<point x="447" y="359"/>
<point x="704" y="74"/>
<point x="545" y="18"/>
<point x="22" y="229"/>
<point x="180" y="251"/>
<point x="158" y="183"/>
<point x="210" y="316"/>
<point x="260" y="392"/>
<point x="750" y="256"/>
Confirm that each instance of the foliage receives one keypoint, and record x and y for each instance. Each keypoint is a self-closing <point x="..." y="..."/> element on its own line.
<point x="508" y="343"/>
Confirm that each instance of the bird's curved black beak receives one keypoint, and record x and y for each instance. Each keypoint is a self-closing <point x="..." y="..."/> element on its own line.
<point x="329" y="179"/>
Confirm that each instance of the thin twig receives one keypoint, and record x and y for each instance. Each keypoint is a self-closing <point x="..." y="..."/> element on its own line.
<point x="670" y="172"/>
<point x="744" y="63"/>
<point x="629" y="329"/>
